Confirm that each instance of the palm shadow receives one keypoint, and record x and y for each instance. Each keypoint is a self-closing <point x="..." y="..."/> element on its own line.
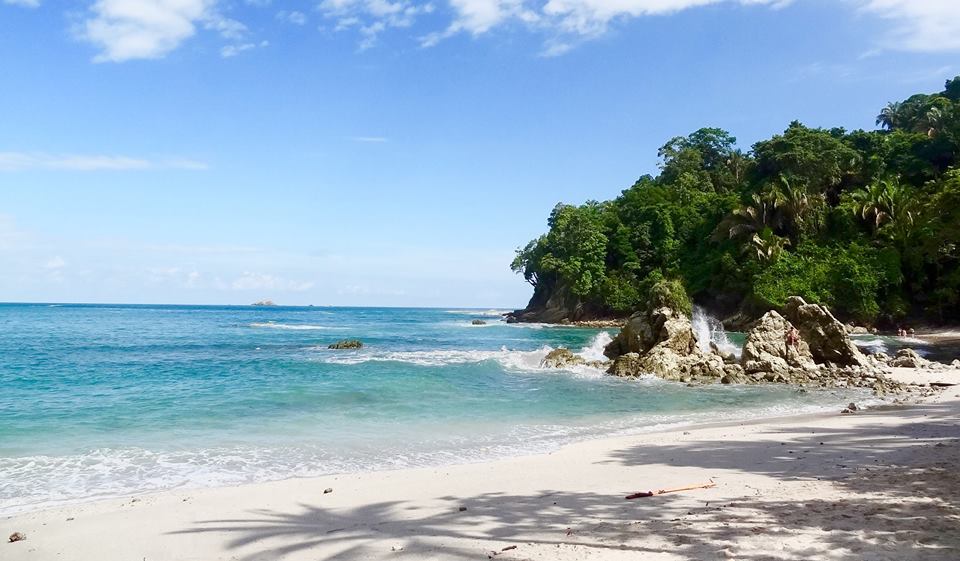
<point x="902" y="502"/>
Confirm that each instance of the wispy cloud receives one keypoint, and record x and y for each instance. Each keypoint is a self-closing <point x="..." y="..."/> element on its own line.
<point x="228" y="51"/>
<point x="24" y="3"/>
<point x="145" y="29"/>
<point x="21" y="161"/>
<point x="370" y="139"/>
<point x="372" y="17"/>
<point x="261" y="281"/>
<point x="919" y="25"/>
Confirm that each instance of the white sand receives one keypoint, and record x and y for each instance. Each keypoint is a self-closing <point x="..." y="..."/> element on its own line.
<point x="879" y="484"/>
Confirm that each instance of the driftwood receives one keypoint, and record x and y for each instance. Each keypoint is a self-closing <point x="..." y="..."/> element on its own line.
<point x="671" y="490"/>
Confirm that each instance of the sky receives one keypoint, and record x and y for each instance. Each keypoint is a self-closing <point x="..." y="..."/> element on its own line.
<point x="389" y="152"/>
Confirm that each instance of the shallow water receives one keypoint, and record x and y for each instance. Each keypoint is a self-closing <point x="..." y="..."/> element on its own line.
<point x="114" y="400"/>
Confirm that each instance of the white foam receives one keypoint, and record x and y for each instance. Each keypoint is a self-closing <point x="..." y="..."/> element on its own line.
<point x="487" y="313"/>
<point x="43" y="481"/>
<point x="294" y="326"/>
<point x="510" y="360"/>
<point x="594" y="350"/>
<point x="710" y="330"/>
<point x="872" y="345"/>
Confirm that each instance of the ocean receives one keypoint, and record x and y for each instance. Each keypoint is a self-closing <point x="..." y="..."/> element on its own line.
<point x="116" y="400"/>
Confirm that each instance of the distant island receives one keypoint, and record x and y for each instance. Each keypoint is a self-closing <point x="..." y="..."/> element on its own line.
<point x="263" y="303"/>
<point x="865" y="222"/>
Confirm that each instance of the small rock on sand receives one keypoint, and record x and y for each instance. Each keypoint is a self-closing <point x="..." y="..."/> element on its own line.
<point x="328" y="490"/>
<point x="17" y="537"/>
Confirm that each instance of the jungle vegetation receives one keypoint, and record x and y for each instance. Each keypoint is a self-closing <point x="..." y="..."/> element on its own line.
<point x="866" y="222"/>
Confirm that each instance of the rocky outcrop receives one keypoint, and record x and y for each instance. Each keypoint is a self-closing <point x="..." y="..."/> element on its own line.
<point x="827" y="338"/>
<point x="553" y="302"/>
<point x="661" y="341"/>
<point x="766" y="348"/>
<point x="478" y="322"/>
<point x="347" y="344"/>
<point x="263" y="303"/>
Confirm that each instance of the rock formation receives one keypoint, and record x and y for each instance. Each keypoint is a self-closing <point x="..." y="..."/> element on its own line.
<point x="766" y="348"/>
<point x="661" y="341"/>
<point x="826" y="337"/>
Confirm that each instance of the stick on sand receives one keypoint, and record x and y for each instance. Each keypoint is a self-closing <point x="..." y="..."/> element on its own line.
<point x="671" y="490"/>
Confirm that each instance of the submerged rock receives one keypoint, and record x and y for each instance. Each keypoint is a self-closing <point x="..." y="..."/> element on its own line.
<point x="347" y="344"/>
<point x="478" y="322"/>
<point x="561" y="358"/>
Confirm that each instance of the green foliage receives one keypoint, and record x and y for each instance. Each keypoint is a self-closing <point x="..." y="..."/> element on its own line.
<point x="850" y="280"/>
<point x="867" y="222"/>
<point x="670" y="293"/>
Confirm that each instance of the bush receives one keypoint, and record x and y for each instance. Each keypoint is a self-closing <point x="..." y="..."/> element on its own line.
<point x="670" y="293"/>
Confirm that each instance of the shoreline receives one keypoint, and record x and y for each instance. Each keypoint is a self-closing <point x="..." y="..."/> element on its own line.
<point x="566" y="504"/>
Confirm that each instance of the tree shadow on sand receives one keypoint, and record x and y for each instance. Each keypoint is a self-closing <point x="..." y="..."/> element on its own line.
<point x="904" y="503"/>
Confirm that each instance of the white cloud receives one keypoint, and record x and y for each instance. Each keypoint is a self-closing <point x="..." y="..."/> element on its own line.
<point x="21" y="161"/>
<point x="372" y="17"/>
<point x="260" y="281"/>
<point x="919" y="25"/>
<point x="145" y="29"/>
<point x="24" y="3"/>
<point x="133" y="29"/>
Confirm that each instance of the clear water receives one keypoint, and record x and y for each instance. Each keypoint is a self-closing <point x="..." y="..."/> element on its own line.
<point x="103" y="401"/>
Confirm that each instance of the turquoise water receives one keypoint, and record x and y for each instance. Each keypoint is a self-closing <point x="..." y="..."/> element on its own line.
<point x="102" y="401"/>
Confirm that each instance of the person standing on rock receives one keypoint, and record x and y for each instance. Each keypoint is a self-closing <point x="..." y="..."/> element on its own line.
<point x="792" y="337"/>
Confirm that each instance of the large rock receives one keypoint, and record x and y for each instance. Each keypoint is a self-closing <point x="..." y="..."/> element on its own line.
<point x="766" y="348"/>
<point x="645" y="330"/>
<point x="661" y="341"/>
<point x="908" y="358"/>
<point x="827" y="337"/>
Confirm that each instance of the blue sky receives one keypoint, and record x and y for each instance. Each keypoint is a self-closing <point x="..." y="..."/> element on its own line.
<point x="388" y="152"/>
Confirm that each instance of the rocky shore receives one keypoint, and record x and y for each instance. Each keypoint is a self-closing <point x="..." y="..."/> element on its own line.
<point x="806" y="346"/>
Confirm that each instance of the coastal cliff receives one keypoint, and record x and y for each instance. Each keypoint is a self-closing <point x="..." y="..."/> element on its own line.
<point x="555" y="303"/>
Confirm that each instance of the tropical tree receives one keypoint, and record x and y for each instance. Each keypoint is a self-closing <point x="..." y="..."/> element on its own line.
<point x="885" y="201"/>
<point x="795" y="205"/>
<point x="891" y="116"/>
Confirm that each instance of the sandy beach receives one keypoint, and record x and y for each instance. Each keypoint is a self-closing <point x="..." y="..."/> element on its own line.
<point x="876" y="484"/>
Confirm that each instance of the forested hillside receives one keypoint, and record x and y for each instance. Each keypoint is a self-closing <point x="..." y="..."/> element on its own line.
<point x="867" y="222"/>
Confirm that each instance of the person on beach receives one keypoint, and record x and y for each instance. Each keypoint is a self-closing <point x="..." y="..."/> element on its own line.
<point x="792" y="337"/>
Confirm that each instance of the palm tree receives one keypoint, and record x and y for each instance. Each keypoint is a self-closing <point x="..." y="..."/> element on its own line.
<point x="753" y="225"/>
<point x="794" y="205"/>
<point x="891" y="116"/>
<point x="766" y="246"/>
<point x="747" y="220"/>
<point x="889" y="207"/>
